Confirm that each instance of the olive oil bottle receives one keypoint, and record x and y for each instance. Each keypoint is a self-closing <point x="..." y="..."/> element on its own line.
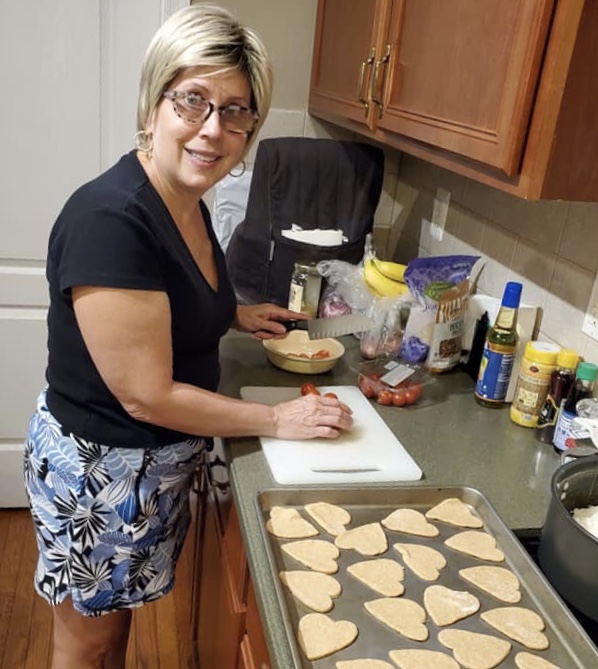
<point x="499" y="351"/>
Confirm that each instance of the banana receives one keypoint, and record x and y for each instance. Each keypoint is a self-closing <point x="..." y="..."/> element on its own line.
<point x="380" y="284"/>
<point x="391" y="270"/>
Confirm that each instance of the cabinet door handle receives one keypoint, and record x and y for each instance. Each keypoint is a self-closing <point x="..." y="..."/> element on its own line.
<point x="377" y="99"/>
<point x="367" y="64"/>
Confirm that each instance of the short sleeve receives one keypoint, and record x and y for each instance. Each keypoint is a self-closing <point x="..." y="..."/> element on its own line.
<point x="107" y="248"/>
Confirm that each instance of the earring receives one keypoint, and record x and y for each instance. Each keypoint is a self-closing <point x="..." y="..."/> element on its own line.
<point x="144" y="141"/>
<point x="242" y="172"/>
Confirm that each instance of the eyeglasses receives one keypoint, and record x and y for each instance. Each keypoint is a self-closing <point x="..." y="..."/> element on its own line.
<point x="192" y="108"/>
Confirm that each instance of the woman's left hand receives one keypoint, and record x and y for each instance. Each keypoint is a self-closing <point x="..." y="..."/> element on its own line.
<point x="263" y="320"/>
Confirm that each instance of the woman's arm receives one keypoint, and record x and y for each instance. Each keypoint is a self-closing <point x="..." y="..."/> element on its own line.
<point x="127" y="333"/>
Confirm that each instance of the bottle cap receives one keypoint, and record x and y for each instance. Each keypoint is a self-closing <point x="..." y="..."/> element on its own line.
<point x="587" y="371"/>
<point x="512" y="295"/>
<point x="542" y="352"/>
<point x="568" y="358"/>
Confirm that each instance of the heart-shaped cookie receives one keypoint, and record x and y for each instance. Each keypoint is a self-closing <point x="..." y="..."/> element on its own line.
<point x="454" y="512"/>
<point x="446" y="606"/>
<point x="364" y="664"/>
<point x="477" y="544"/>
<point x="402" y="615"/>
<point x="366" y="539"/>
<point x="312" y="588"/>
<point x="525" y="660"/>
<point x="473" y="650"/>
<point x="289" y="524"/>
<point x="520" y="624"/>
<point x="423" y="561"/>
<point x="382" y="575"/>
<point x="315" y="554"/>
<point x="413" y="658"/>
<point x="320" y="636"/>
<point x="410" y="521"/>
<point x="496" y="581"/>
<point x="331" y="517"/>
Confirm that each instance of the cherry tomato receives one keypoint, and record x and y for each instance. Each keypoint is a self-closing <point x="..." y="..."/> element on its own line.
<point x="366" y="387"/>
<point x="333" y="395"/>
<point x="413" y="393"/>
<point x="399" y="397"/>
<point x="309" y="389"/>
<point x="384" y="397"/>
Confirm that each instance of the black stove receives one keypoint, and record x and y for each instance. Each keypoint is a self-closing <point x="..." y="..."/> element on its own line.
<point x="530" y="540"/>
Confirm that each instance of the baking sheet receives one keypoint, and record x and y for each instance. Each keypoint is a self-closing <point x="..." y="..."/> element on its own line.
<point x="570" y="648"/>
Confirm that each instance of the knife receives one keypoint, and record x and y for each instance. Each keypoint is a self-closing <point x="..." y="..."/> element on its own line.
<point x="333" y="326"/>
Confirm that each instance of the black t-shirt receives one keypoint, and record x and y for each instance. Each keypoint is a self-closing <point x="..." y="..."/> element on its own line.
<point x="116" y="231"/>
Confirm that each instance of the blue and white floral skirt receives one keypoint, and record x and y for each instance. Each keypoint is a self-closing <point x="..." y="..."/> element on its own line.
<point x="110" y="522"/>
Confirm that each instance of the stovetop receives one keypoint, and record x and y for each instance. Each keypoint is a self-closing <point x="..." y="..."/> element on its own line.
<point x="530" y="540"/>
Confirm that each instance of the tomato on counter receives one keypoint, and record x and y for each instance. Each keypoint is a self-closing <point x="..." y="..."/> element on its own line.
<point x="309" y="389"/>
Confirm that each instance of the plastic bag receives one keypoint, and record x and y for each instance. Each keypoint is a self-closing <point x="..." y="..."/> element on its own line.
<point x="440" y="289"/>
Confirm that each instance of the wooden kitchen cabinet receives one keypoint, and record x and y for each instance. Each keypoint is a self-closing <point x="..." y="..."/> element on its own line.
<point x="226" y="627"/>
<point x="501" y="91"/>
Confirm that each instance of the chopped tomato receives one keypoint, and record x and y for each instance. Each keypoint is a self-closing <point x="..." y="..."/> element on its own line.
<point x="321" y="354"/>
<point x="309" y="389"/>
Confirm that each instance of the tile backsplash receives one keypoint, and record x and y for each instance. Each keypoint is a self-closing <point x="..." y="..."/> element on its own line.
<point x="551" y="247"/>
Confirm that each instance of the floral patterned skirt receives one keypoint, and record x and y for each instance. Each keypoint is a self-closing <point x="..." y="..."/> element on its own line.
<point x="110" y="522"/>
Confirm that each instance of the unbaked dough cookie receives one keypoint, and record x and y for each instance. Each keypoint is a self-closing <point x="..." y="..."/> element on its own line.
<point x="499" y="582"/>
<point x="423" y="561"/>
<point x="382" y="575"/>
<point x="320" y="636"/>
<point x="473" y="650"/>
<point x="288" y="523"/>
<point x="446" y="606"/>
<point x="315" y="554"/>
<point x="413" y="658"/>
<point x="410" y="521"/>
<point x="331" y="517"/>
<point x="402" y="615"/>
<point x="520" y="624"/>
<point x="312" y="588"/>
<point x="477" y="544"/>
<point x="454" y="512"/>
<point x="363" y="664"/>
<point x="525" y="660"/>
<point x="366" y="539"/>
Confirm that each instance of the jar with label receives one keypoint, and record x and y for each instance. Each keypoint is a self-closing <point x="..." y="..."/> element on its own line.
<point x="304" y="293"/>
<point x="565" y="433"/>
<point x="538" y="363"/>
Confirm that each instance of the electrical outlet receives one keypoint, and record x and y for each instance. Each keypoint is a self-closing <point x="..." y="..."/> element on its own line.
<point x="590" y="321"/>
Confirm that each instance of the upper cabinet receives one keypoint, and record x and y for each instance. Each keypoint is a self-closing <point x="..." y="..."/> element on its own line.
<point x="502" y="91"/>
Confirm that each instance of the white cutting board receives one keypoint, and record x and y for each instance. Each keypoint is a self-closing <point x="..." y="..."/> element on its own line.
<point x="370" y="452"/>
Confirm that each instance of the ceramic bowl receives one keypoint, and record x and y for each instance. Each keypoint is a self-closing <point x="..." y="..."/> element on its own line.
<point x="298" y="353"/>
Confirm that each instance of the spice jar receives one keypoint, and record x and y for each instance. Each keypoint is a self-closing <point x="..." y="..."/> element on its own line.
<point x="538" y="363"/>
<point x="304" y="293"/>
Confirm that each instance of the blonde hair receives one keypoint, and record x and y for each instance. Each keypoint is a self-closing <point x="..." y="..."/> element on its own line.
<point x="202" y="35"/>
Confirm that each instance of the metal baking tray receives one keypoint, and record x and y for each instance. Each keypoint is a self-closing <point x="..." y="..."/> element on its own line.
<point x="570" y="647"/>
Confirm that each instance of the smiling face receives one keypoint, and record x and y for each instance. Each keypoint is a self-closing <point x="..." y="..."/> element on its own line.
<point x="189" y="158"/>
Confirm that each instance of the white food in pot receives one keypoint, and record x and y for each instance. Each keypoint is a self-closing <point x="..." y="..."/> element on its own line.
<point x="588" y="519"/>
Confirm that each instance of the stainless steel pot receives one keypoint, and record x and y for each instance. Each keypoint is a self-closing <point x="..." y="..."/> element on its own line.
<point x="568" y="554"/>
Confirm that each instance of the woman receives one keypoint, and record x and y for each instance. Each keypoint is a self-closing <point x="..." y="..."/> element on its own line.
<point x="139" y="299"/>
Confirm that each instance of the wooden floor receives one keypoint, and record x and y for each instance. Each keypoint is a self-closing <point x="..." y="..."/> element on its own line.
<point x="160" y="636"/>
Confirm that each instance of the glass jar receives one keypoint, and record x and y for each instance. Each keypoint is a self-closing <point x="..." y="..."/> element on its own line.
<point x="304" y="293"/>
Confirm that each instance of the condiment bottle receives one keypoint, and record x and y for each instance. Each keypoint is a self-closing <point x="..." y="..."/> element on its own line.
<point x="499" y="351"/>
<point x="583" y="386"/>
<point x="304" y="293"/>
<point x="538" y="363"/>
<point x="560" y="382"/>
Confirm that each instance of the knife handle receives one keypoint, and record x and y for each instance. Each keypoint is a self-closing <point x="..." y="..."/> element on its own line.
<point x="295" y="325"/>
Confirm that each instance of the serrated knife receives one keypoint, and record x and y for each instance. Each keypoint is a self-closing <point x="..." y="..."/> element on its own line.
<point x="332" y="326"/>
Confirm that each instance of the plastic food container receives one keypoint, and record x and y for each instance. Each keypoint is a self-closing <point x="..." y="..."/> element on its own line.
<point x="392" y="382"/>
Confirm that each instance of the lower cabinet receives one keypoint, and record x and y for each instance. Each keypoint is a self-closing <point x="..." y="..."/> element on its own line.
<point x="226" y="627"/>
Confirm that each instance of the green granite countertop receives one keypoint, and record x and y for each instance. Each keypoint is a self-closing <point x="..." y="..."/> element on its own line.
<point x="453" y="440"/>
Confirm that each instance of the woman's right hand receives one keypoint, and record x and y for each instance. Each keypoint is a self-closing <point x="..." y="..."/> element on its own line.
<point x="311" y="416"/>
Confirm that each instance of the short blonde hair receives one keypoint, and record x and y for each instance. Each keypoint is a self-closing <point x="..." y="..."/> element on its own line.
<point x="204" y="35"/>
